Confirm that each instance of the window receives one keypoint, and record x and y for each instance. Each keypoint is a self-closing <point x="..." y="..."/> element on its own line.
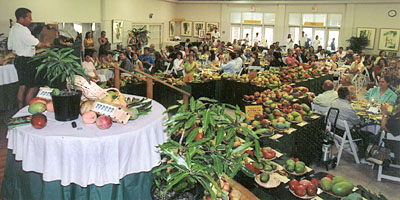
<point x="236" y="17"/>
<point x="269" y="18"/>
<point x="78" y="28"/>
<point x="295" y="33"/>
<point x="333" y="33"/>
<point x="320" y="19"/>
<point x="294" y="19"/>
<point x="269" y="35"/>
<point x="334" y="20"/>
<point x="252" y="18"/>
<point x="235" y="33"/>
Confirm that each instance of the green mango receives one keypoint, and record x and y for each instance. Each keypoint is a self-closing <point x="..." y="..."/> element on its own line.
<point x="300" y="169"/>
<point x="353" y="196"/>
<point x="290" y="168"/>
<point x="326" y="184"/>
<point x="295" y="114"/>
<point x="298" y="163"/>
<point x="298" y="119"/>
<point x="268" y="168"/>
<point x="273" y="166"/>
<point x="287" y="124"/>
<point x="290" y="117"/>
<point x="305" y="107"/>
<point x="280" y="125"/>
<point x="290" y="162"/>
<point x="338" y="179"/>
<point x="271" y="116"/>
<point x="342" y="188"/>
<point x="264" y="177"/>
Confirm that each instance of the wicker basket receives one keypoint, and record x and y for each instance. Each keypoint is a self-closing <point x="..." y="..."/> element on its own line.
<point x="90" y="91"/>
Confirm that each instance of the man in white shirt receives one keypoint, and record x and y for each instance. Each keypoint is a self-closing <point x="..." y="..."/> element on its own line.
<point x="246" y="39"/>
<point x="302" y="40"/>
<point x="22" y="43"/>
<point x="325" y="99"/>
<point x="316" y="42"/>
<point x="239" y="62"/>
<point x="340" y="53"/>
<point x="256" y="39"/>
<point x="216" y="34"/>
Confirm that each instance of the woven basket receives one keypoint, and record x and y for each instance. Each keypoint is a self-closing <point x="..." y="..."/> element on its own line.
<point x="90" y="91"/>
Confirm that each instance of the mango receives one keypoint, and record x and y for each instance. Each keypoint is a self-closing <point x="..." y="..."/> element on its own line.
<point x="338" y="179"/>
<point x="37" y="107"/>
<point x="290" y="162"/>
<point x="290" y="168"/>
<point x="299" y="169"/>
<point x="264" y="177"/>
<point x="342" y="189"/>
<point x="268" y="168"/>
<point x="326" y="184"/>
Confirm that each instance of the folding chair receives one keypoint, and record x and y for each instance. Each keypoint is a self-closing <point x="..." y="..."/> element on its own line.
<point x="381" y="175"/>
<point x="376" y="78"/>
<point x="319" y="109"/>
<point x="346" y="138"/>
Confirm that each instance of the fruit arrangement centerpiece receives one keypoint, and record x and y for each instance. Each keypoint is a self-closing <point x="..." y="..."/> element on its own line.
<point x="336" y="185"/>
<point x="295" y="167"/>
<point x="304" y="189"/>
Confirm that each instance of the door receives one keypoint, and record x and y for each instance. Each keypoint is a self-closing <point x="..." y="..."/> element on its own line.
<point x="333" y="33"/>
<point x="235" y="32"/>
<point x="247" y="30"/>
<point x="311" y="33"/>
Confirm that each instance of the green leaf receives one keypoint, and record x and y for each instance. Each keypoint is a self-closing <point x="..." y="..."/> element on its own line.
<point x="207" y="99"/>
<point x="259" y="131"/>
<point x="220" y="135"/>
<point x="257" y="150"/>
<point x="248" y="172"/>
<point x="197" y="143"/>
<point x="103" y="85"/>
<point x="192" y="135"/>
<point x="171" y="108"/>
<point x="176" y="180"/>
<point x="240" y="149"/>
<point x="229" y="118"/>
<point x="217" y="165"/>
<point x="190" y="122"/>
<point x="231" y="133"/>
<point x="208" y="187"/>
<point x="192" y="104"/>
<point x="206" y="119"/>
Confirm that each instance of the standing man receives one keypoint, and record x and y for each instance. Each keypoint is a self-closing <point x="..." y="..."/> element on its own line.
<point x="256" y="39"/>
<point x="316" y="42"/>
<point x="22" y="43"/>
<point x="333" y="45"/>
<point x="302" y="40"/>
<point x="216" y="33"/>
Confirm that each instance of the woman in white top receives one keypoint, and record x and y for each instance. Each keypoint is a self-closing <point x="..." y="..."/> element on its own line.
<point x="316" y="42"/>
<point x="178" y="64"/>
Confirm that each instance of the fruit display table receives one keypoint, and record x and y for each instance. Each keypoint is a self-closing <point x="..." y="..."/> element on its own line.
<point x="59" y="161"/>
<point x="8" y="87"/>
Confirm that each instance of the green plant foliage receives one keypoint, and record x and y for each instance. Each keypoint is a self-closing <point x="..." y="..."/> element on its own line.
<point x="202" y="146"/>
<point x="60" y="63"/>
<point x="357" y="43"/>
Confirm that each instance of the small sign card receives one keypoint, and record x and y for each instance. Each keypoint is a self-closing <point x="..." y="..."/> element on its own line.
<point x="314" y="117"/>
<point x="276" y="136"/>
<point x="290" y="130"/>
<point x="253" y="111"/>
<point x="302" y="124"/>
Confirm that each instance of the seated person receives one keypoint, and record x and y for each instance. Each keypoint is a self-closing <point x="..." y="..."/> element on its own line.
<point x="321" y="54"/>
<point x="146" y="58"/>
<point x="136" y="63"/>
<point x="325" y="99"/>
<point x="89" y="67"/>
<point x="349" y="55"/>
<point x="380" y="67"/>
<point x="346" y="112"/>
<point x="230" y="66"/>
<point x="278" y="57"/>
<point x="178" y="65"/>
<point x="334" y="64"/>
<point x="391" y="122"/>
<point x="357" y="66"/>
<point x="383" y="94"/>
<point x="247" y="55"/>
<point x="290" y="60"/>
<point x="124" y="62"/>
<point x="239" y="61"/>
<point x="254" y="61"/>
<point x="345" y="81"/>
<point x="190" y="65"/>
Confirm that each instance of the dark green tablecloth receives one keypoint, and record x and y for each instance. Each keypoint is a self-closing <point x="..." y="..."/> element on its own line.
<point x="21" y="185"/>
<point x="8" y="96"/>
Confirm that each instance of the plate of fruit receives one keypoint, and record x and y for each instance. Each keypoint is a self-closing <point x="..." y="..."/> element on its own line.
<point x="269" y="166"/>
<point x="336" y="186"/>
<point x="295" y="167"/>
<point x="267" y="180"/>
<point x="268" y="153"/>
<point x="304" y="189"/>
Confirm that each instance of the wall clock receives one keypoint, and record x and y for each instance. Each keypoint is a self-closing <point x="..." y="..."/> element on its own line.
<point x="392" y="13"/>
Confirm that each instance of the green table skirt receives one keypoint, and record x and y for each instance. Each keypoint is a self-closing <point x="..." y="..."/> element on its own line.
<point x="8" y="96"/>
<point x="21" y="185"/>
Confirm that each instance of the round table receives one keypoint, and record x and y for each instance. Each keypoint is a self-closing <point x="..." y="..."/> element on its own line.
<point x="8" y="87"/>
<point x="108" y="74"/>
<point x="87" y="156"/>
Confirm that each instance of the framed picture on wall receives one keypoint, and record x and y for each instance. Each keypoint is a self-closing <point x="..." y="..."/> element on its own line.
<point x="171" y="29"/>
<point x="368" y="33"/>
<point x="211" y="26"/>
<point x="186" y="28"/>
<point x="117" y="30"/>
<point x="197" y="26"/>
<point x="389" y="39"/>
<point x="202" y="33"/>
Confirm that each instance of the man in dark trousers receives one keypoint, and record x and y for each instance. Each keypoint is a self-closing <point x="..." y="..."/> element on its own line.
<point x="22" y="43"/>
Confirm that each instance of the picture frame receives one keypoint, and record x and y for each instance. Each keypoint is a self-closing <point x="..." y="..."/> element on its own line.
<point x="202" y="33"/>
<point x="117" y="30"/>
<point x="211" y="26"/>
<point x="389" y="39"/>
<point x="197" y="26"/>
<point x="171" y="29"/>
<point x="186" y="28"/>
<point x="368" y="33"/>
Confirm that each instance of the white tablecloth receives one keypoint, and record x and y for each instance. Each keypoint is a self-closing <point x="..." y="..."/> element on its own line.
<point x="8" y="74"/>
<point x="108" y="74"/>
<point x="90" y="155"/>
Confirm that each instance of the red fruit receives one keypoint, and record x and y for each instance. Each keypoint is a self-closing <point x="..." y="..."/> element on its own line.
<point x="89" y="117"/>
<point x="314" y="181"/>
<point x="256" y="94"/>
<point x="251" y="154"/>
<point x="311" y="190"/>
<point x="330" y="176"/>
<point x="39" y="120"/>
<point x="37" y="99"/>
<point x="50" y="107"/>
<point x="296" y="160"/>
<point x="291" y="158"/>
<point x="199" y="136"/>
<point x="104" y="122"/>
<point x="226" y="187"/>
<point x="293" y="184"/>
<point x="300" y="190"/>
<point x="305" y="183"/>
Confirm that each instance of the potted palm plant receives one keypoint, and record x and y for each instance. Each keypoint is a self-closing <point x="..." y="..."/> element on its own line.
<point x="204" y="149"/>
<point x="62" y="65"/>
